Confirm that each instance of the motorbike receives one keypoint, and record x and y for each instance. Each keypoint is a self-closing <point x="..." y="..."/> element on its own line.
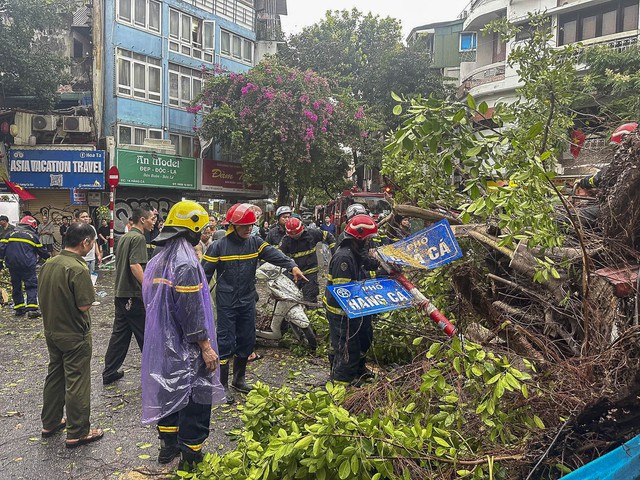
<point x="288" y="310"/>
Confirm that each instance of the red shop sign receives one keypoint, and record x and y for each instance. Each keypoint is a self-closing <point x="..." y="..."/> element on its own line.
<point x="224" y="175"/>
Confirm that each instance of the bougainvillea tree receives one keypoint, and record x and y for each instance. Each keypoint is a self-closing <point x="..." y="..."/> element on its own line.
<point x="292" y="129"/>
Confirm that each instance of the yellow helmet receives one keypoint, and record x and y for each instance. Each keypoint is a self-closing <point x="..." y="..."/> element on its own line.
<point x="187" y="214"/>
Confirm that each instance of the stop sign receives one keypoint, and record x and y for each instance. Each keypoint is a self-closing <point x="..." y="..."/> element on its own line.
<point x="113" y="177"/>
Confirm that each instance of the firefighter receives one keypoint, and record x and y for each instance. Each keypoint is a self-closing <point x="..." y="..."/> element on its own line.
<point x="234" y="258"/>
<point x="350" y="337"/>
<point x="277" y="232"/>
<point x="358" y="209"/>
<point x="177" y="392"/>
<point x="300" y="244"/>
<point x="20" y="250"/>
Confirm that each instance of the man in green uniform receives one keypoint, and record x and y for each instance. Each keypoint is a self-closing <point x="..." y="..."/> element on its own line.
<point x="66" y="294"/>
<point x="131" y="258"/>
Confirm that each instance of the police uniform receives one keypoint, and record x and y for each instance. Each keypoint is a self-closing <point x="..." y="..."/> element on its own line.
<point x="129" y="307"/>
<point x="65" y="284"/>
<point x="350" y="337"/>
<point x="303" y="251"/>
<point x="235" y="261"/>
<point x="20" y="250"/>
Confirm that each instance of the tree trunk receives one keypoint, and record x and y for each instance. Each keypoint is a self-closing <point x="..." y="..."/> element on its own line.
<point x="283" y="189"/>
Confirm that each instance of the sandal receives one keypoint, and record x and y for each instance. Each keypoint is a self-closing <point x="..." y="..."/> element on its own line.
<point x="254" y="356"/>
<point x="94" y="435"/>
<point x="53" y="431"/>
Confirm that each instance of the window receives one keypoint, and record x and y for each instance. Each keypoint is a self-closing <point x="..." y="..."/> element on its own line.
<point x="608" y="19"/>
<point x="191" y="36"/>
<point x="138" y="76"/>
<point x="467" y="41"/>
<point x="140" y="13"/>
<point x="185" y="84"/>
<point x="185" y="145"/>
<point x="237" y="47"/>
<point x="128" y="135"/>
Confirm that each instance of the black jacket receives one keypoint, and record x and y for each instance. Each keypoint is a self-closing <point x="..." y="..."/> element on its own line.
<point x="303" y="250"/>
<point x="347" y="265"/>
<point x="235" y="260"/>
<point x="275" y="235"/>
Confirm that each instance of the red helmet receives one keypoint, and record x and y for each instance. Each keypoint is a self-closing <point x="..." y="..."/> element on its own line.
<point x="241" y="214"/>
<point x="361" y="227"/>
<point x="29" y="220"/>
<point x="294" y="227"/>
<point x="623" y="130"/>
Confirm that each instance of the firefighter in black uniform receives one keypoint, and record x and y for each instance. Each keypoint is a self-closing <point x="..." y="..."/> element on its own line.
<point x="300" y="244"/>
<point x="277" y="232"/>
<point x="350" y="337"/>
<point x="20" y="250"/>
<point x="235" y="259"/>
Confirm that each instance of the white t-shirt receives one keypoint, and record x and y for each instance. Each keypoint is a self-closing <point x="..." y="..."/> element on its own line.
<point x="92" y="253"/>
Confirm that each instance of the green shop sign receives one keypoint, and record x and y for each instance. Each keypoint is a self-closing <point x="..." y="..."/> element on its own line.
<point x="148" y="169"/>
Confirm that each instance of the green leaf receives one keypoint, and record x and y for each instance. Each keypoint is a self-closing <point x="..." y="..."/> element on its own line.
<point x="144" y="457"/>
<point x="483" y="108"/>
<point x="303" y="443"/>
<point x="396" y="97"/>
<point x="397" y="110"/>
<point x="345" y="470"/>
<point x="471" y="102"/>
<point x="494" y="379"/>
<point x="418" y="340"/>
<point x="535" y="130"/>
<point x="441" y="441"/>
<point x="538" y="421"/>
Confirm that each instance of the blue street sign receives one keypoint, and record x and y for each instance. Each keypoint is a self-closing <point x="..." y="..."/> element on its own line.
<point x="428" y="248"/>
<point x="42" y="168"/>
<point x="370" y="296"/>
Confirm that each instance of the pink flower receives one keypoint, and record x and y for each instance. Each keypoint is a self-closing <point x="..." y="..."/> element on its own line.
<point x="316" y="105"/>
<point x="329" y="108"/>
<point x="359" y="115"/>
<point x="279" y="80"/>
<point x="365" y="134"/>
<point x="194" y="109"/>
<point x="323" y="129"/>
<point x="304" y="99"/>
<point x="310" y="116"/>
<point x="309" y="136"/>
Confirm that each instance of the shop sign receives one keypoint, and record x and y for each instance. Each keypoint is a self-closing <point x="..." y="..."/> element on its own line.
<point x="78" y="197"/>
<point x="146" y="169"/>
<point x="40" y="168"/>
<point x="220" y="176"/>
<point x="369" y="297"/>
<point x="94" y="199"/>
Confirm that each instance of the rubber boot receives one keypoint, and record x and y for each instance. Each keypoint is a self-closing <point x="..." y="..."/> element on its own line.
<point x="191" y="458"/>
<point x="168" y="449"/>
<point x="332" y="357"/>
<point x="224" y="380"/>
<point x="239" y="371"/>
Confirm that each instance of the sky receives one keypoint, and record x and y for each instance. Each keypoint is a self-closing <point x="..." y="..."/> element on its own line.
<point x="412" y="13"/>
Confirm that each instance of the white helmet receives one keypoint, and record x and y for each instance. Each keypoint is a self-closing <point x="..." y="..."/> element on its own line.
<point x="355" y="209"/>
<point x="282" y="210"/>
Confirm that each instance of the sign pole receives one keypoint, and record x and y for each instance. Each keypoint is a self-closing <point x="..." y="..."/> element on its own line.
<point x="112" y="197"/>
<point x="113" y="179"/>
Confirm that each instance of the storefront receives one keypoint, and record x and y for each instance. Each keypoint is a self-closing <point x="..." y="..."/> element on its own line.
<point x="153" y="179"/>
<point x="60" y="179"/>
<point x="225" y="180"/>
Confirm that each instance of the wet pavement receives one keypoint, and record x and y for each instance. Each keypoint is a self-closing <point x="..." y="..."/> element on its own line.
<point x="128" y="449"/>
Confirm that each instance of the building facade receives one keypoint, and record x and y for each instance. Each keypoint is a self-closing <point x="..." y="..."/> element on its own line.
<point x="154" y="58"/>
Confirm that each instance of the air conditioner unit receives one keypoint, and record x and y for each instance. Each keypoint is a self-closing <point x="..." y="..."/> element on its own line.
<point x="44" y="123"/>
<point x="76" y="124"/>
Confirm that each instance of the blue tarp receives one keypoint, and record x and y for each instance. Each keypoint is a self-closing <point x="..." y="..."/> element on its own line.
<point x="623" y="463"/>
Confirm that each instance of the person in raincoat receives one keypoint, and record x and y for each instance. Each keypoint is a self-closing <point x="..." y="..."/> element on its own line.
<point x="180" y="378"/>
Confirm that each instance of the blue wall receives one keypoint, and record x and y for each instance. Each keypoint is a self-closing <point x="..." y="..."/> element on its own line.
<point x="124" y="110"/>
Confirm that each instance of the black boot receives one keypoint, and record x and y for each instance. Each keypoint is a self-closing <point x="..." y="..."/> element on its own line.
<point x="332" y="357"/>
<point x="191" y="458"/>
<point x="239" y="372"/>
<point x="224" y="380"/>
<point x="168" y="449"/>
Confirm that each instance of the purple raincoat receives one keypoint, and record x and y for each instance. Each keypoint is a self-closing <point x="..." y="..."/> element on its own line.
<point x="179" y="314"/>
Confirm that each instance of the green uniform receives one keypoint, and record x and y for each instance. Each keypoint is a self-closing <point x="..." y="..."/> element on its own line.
<point x="132" y="249"/>
<point x="65" y="285"/>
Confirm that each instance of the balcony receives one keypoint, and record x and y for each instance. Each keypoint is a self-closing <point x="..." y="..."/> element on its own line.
<point x="478" y="13"/>
<point x="481" y="76"/>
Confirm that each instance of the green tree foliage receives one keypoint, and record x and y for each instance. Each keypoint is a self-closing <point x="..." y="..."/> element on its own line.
<point x="365" y="54"/>
<point x="447" y="428"/>
<point x="439" y="140"/>
<point x="31" y="60"/>
<point x="290" y="127"/>
<point x="611" y="83"/>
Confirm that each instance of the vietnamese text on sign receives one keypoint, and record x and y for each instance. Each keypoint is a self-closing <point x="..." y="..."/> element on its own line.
<point x="370" y="297"/>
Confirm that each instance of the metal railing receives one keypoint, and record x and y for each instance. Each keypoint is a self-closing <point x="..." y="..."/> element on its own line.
<point x="236" y="12"/>
<point x="491" y="73"/>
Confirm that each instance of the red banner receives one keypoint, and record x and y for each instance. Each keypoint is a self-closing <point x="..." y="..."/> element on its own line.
<point x="223" y="175"/>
